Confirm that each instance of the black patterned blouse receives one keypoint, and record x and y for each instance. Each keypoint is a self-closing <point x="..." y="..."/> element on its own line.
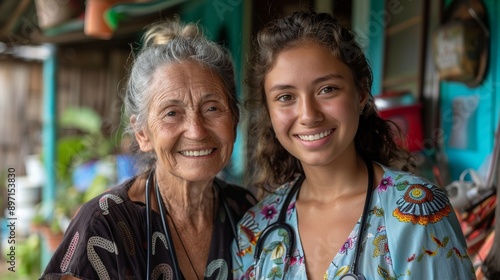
<point x="107" y="239"/>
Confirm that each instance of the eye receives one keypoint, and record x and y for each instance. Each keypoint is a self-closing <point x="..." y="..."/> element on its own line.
<point x="284" y="98"/>
<point x="327" y="89"/>
<point x="213" y="107"/>
<point x="171" y="114"/>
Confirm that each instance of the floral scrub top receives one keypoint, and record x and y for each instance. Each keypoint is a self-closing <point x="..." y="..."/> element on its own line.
<point x="412" y="232"/>
<point x="107" y="239"/>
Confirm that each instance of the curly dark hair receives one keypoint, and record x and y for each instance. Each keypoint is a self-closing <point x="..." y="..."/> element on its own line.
<point x="270" y="164"/>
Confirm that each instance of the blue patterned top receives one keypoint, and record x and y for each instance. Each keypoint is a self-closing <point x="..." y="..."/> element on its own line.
<point x="412" y="232"/>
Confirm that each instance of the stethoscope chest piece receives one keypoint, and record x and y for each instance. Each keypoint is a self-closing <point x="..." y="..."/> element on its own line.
<point x="350" y="276"/>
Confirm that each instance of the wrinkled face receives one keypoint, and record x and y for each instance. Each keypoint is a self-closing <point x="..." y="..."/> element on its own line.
<point x="314" y="104"/>
<point x="189" y="126"/>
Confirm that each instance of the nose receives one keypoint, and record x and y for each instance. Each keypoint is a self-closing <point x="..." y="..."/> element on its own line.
<point x="195" y="127"/>
<point x="309" y="112"/>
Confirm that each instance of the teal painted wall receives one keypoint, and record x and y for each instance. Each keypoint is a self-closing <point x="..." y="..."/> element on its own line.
<point x="481" y="126"/>
<point x="368" y="24"/>
<point x="375" y="50"/>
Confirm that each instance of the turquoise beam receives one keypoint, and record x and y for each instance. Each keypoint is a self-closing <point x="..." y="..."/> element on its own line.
<point x="368" y="24"/>
<point x="376" y="43"/>
<point x="49" y="130"/>
<point x="49" y="134"/>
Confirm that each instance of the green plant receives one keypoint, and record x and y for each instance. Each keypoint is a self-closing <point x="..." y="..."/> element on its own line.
<point x="87" y="142"/>
<point x="28" y="252"/>
<point x="83" y="142"/>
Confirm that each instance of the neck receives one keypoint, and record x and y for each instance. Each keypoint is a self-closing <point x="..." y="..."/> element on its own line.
<point x="187" y="202"/>
<point x="328" y="183"/>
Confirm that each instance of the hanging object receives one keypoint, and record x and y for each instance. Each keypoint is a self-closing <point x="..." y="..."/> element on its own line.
<point x="52" y="13"/>
<point x="95" y="24"/>
<point x="461" y="44"/>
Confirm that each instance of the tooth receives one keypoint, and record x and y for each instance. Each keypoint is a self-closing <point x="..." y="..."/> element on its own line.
<point x="197" y="153"/>
<point x="315" y="136"/>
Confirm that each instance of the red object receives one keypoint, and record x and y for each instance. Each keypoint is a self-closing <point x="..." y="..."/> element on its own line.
<point x="409" y="120"/>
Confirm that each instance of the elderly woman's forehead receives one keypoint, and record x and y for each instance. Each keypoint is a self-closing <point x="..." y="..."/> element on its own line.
<point x="188" y="69"/>
<point x="187" y="78"/>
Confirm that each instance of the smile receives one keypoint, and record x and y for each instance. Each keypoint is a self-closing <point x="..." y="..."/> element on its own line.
<point x="197" y="153"/>
<point x="315" y="137"/>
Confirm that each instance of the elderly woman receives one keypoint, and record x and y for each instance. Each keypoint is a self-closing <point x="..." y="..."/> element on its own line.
<point x="175" y="220"/>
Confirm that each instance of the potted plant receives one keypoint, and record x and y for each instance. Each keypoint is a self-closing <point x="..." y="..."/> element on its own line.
<point x="86" y="166"/>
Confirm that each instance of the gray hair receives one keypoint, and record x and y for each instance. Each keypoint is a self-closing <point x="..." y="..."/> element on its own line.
<point x="167" y="42"/>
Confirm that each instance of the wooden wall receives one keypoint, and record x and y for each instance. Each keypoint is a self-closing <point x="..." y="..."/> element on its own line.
<point x="20" y="113"/>
<point x="86" y="77"/>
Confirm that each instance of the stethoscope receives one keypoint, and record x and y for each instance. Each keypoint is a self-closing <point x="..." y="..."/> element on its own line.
<point x="218" y="185"/>
<point x="281" y="224"/>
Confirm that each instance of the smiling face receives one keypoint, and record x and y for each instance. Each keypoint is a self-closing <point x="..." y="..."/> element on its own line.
<point x="189" y="126"/>
<point x="314" y="104"/>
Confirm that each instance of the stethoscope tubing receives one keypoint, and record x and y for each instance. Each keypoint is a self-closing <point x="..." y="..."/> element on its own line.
<point x="148" y="226"/>
<point x="162" y="209"/>
<point x="171" y="249"/>
<point x="364" y="218"/>
<point x="281" y="224"/>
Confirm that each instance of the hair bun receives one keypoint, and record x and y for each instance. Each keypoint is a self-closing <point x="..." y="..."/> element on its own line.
<point x="160" y="33"/>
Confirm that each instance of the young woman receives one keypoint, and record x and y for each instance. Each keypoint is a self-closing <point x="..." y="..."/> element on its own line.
<point x="342" y="207"/>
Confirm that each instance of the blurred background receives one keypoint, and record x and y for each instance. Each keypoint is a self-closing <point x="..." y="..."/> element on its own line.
<point x="63" y="64"/>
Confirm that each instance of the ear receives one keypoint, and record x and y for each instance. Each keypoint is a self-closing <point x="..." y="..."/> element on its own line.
<point x="141" y="136"/>
<point x="363" y="98"/>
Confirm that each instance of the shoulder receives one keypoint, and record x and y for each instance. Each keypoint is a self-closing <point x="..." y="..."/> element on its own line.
<point x="102" y="202"/>
<point x="105" y="207"/>
<point x="412" y="198"/>
<point x="268" y="208"/>
<point x="399" y="176"/>
<point x="238" y="198"/>
<point x="396" y="183"/>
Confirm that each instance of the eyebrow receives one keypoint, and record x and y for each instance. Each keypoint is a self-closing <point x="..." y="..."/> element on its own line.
<point x="328" y="77"/>
<point x="316" y="81"/>
<point x="176" y="101"/>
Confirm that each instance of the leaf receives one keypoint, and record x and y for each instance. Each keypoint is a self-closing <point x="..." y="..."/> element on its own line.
<point x="67" y="149"/>
<point x="272" y="245"/>
<point x="449" y="254"/>
<point x="282" y="232"/>
<point x="278" y="261"/>
<point x="82" y="118"/>
<point x="98" y="186"/>
<point x="446" y="240"/>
